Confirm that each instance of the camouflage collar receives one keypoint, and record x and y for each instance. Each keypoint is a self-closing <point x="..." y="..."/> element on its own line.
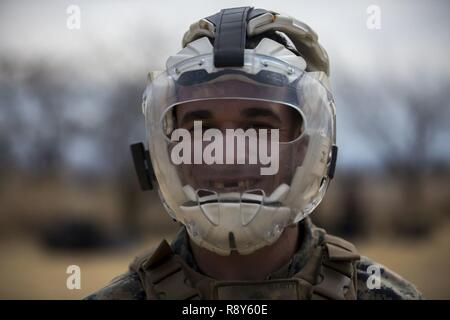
<point x="307" y="241"/>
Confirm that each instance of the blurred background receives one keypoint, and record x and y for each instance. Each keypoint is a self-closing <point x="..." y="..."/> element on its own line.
<point x="70" y="107"/>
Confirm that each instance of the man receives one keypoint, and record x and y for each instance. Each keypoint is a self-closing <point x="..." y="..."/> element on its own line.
<point x="241" y="132"/>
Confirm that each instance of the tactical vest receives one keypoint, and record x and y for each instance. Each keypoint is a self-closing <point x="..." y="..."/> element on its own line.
<point x="330" y="273"/>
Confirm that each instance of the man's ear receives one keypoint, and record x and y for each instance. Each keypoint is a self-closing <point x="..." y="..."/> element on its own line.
<point x="300" y="149"/>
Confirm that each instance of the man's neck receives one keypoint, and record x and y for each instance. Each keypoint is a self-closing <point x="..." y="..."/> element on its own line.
<point x="255" y="266"/>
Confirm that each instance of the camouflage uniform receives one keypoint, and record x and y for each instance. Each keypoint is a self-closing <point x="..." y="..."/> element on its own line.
<point x="128" y="285"/>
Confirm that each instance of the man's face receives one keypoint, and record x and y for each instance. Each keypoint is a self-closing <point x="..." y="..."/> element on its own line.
<point x="241" y="114"/>
<point x="223" y="114"/>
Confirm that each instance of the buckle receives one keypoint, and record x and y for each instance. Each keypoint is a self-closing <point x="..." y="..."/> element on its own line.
<point x="277" y="289"/>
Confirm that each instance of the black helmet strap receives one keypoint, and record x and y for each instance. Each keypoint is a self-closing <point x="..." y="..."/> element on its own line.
<point x="230" y="36"/>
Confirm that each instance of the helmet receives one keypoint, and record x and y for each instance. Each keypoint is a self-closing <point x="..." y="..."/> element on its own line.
<point x="236" y="190"/>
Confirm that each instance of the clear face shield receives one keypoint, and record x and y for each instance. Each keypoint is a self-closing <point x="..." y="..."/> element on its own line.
<point x="239" y="154"/>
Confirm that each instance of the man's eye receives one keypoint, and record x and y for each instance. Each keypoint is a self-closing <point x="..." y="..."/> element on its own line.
<point x="204" y="128"/>
<point x="187" y="127"/>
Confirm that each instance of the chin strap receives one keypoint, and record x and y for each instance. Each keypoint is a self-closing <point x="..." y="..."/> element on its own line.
<point x="330" y="273"/>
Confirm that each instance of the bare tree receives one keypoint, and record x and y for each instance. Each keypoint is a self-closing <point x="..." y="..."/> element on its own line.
<point x="400" y="123"/>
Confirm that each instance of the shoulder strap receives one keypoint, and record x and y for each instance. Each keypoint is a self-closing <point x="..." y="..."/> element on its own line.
<point x="162" y="275"/>
<point x="335" y="275"/>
